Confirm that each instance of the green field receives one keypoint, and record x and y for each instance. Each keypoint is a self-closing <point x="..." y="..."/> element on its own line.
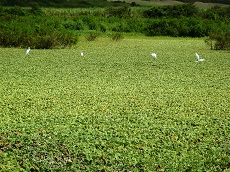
<point x="116" y="108"/>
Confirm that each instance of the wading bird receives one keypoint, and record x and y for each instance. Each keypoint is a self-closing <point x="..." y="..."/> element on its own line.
<point x="27" y="51"/>
<point x="82" y="54"/>
<point x="154" y="55"/>
<point x="198" y="58"/>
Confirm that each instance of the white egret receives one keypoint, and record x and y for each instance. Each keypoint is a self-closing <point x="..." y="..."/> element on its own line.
<point x="27" y="51"/>
<point x="154" y="55"/>
<point x="198" y="58"/>
<point x="82" y="54"/>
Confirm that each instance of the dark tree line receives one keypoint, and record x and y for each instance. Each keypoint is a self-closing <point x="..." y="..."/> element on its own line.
<point x="59" y="3"/>
<point x="82" y="3"/>
<point x="188" y="10"/>
<point x="207" y="1"/>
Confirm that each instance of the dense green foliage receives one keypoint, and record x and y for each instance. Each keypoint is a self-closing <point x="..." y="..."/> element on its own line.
<point x="219" y="40"/>
<point x="188" y="10"/>
<point x="47" y="28"/>
<point x="116" y="108"/>
<point x="83" y="3"/>
<point x="29" y="27"/>
<point x="193" y="27"/>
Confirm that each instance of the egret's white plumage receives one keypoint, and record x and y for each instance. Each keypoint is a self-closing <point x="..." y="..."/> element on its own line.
<point x="27" y="51"/>
<point x="82" y="54"/>
<point x="154" y="55"/>
<point x="198" y="58"/>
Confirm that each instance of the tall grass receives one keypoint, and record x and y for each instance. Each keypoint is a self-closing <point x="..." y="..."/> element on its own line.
<point x="116" y="108"/>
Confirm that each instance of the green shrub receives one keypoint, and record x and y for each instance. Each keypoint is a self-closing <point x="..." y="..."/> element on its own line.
<point x="90" y="22"/>
<point x="121" y="12"/>
<point x="219" y="40"/>
<point x="117" y="36"/>
<point x="36" y="32"/>
<point x="35" y="9"/>
<point x="39" y="41"/>
<point x="92" y="36"/>
<point x="103" y="27"/>
<point x="186" y="10"/>
<point x="217" y="13"/>
<point x="15" y="11"/>
<point x="186" y="27"/>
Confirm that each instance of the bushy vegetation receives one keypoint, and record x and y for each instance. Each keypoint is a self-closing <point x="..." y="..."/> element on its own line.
<point x="42" y="28"/>
<point x="22" y="28"/>
<point x="219" y="40"/>
<point x="120" y="12"/>
<point x="185" y="10"/>
<point x="182" y="27"/>
<point x="92" y="36"/>
<point x="188" y="10"/>
<point x="83" y="3"/>
<point x="117" y="36"/>
<point x="116" y="108"/>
